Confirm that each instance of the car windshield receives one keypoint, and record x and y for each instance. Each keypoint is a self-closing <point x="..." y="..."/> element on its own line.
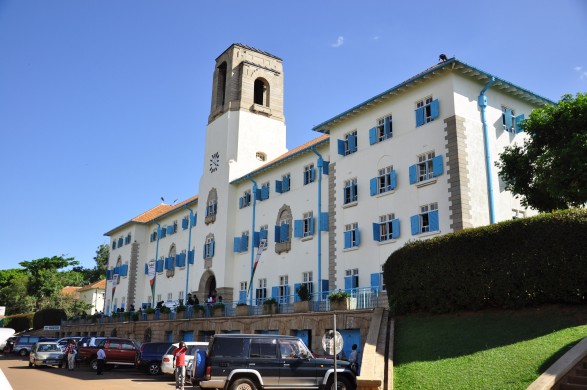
<point x="49" y="348"/>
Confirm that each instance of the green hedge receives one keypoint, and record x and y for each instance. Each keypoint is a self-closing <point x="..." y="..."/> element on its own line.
<point x="512" y="264"/>
<point x="19" y="322"/>
<point x="48" y="317"/>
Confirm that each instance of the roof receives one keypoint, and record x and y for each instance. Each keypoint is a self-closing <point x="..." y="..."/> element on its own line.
<point x="305" y="148"/>
<point x="249" y="48"/>
<point x="154" y="213"/>
<point x="69" y="290"/>
<point x="100" y="285"/>
<point x="450" y="65"/>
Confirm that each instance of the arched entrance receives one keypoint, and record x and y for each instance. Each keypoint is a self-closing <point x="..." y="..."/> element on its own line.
<point x="207" y="286"/>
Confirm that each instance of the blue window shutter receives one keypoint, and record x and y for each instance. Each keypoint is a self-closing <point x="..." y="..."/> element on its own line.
<point x="372" y="136"/>
<point x="170" y="230"/>
<point x="205" y="251"/>
<point x="376" y="232"/>
<point x="434" y="109"/>
<point x="413" y="174"/>
<point x="193" y="219"/>
<point x="236" y="244"/>
<point x="277" y="233"/>
<point x="352" y="143"/>
<point x="324" y="285"/>
<point x="312" y="221"/>
<point x="433" y="219"/>
<point x="159" y="265"/>
<point x="386" y="127"/>
<point x="113" y="244"/>
<point x="278" y="186"/>
<point x="146" y="269"/>
<point x="265" y="192"/>
<point x="244" y="243"/>
<point x="375" y="281"/>
<point x="241" y="202"/>
<point x="296" y="288"/>
<point x="517" y="121"/>
<point x="258" y="194"/>
<point x="354" y="192"/>
<point x="286" y="183"/>
<point x="191" y="257"/>
<point x="373" y="186"/>
<point x="125" y="270"/>
<point x="324" y="221"/>
<point x="415" y="222"/>
<point x="325" y="165"/>
<point x="185" y="223"/>
<point x="395" y="228"/>
<point x="341" y="147"/>
<point x="348" y="282"/>
<point x="256" y="239"/>
<point x="347" y="239"/>
<point x="242" y="297"/>
<point x="357" y="237"/>
<point x="420" y="117"/>
<point x="393" y="179"/>
<point x="212" y="249"/>
<point x="508" y="119"/>
<point x="120" y="242"/>
<point x="355" y="281"/>
<point x="437" y="166"/>
<point x="298" y="228"/>
<point x="264" y="233"/>
<point x="180" y="260"/>
<point x="116" y="270"/>
<point x="284" y="232"/>
<point x="108" y="274"/>
<point x="275" y="292"/>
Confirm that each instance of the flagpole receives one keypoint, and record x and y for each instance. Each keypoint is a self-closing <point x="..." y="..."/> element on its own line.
<point x="254" y="196"/>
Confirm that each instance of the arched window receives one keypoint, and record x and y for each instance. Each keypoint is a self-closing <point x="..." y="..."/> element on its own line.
<point x="170" y="262"/>
<point x="283" y="228"/>
<point x="261" y="92"/>
<point x="221" y="85"/>
<point x="211" y="206"/>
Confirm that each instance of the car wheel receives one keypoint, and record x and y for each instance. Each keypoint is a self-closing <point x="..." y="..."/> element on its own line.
<point x="243" y="384"/>
<point x="343" y="384"/>
<point x="23" y="352"/>
<point x="94" y="365"/>
<point x="154" y="368"/>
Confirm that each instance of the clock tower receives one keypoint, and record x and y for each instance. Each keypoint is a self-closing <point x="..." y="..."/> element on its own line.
<point x="246" y="129"/>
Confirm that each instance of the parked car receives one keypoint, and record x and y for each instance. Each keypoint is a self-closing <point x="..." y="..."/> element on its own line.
<point x="63" y="341"/>
<point x="46" y="353"/>
<point x="167" y="361"/>
<point x="150" y="356"/>
<point x="255" y="361"/>
<point x="119" y="352"/>
<point x="23" y="344"/>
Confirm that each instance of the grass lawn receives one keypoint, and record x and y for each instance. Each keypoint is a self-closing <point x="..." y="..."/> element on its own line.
<point x="506" y="349"/>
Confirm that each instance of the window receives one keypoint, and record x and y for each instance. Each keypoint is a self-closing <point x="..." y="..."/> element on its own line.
<point x="426" y="111"/>
<point x="159" y="298"/>
<point x="351" y="278"/>
<point x="221" y="85"/>
<point x="261" y="92"/>
<point x="510" y="121"/>
<point x="349" y="144"/>
<point x="261" y="156"/>
<point x="263" y="192"/>
<point x="387" y="228"/>
<point x="263" y="348"/>
<point x="307" y="280"/>
<point x="308" y="229"/>
<point x="242" y="294"/>
<point x="154" y="235"/>
<point x="283" y="185"/>
<point x="169" y="296"/>
<point x="241" y="244"/>
<point x="185" y="222"/>
<point x="120" y="242"/>
<point x="245" y="200"/>
<point x="350" y="191"/>
<point x="261" y="292"/>
<point x="283" y="289"/>
<point x="427" y="220"/>
<point x="114" y="244"/>
<point x="180" y="295"/>
<point x="382" y="131"/>
<point x="211" y="208"/>
<point x="127" y="239"/>
<point x="351" y="236"/>
<point x="282" y="231"/>
<point x="429" y="166"/>
<point x="386" y="181"/>
<point x="209" y="248"/>
<point x="261" y="234"/>
<point x="174" y="226"/>
<point x="309" y="174"/>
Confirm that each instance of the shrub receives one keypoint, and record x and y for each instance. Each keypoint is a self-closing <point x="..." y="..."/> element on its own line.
<point x="338" y="296"/>
<point x="270" y="301"/>
<point x="150" y="310"/>
<point x="19" y="322"/>
<point x="303" y="293"/>
<point x="164" y="310"/>
<point x="48" y="317"/>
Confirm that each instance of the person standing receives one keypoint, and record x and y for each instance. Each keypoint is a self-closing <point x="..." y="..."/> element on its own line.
<point x="179" y="364"/>
<point x="70" y="354"/>
<point x="101" y="359"/>
<point x="354" y="359"/>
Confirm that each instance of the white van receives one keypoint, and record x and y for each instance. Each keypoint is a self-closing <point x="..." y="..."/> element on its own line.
<point x="167" y="361"/>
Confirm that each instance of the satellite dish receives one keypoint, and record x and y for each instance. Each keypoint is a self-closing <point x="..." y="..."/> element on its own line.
<point x="328" y="342"/>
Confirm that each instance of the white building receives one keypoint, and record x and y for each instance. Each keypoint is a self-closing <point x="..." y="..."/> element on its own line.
<point x="94" y="294"/>
<point x="414" y="162"/>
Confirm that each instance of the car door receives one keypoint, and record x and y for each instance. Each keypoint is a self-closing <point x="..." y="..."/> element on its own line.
<point x="112" y="349"/>
<point x="264" y="359"/>
<point x="297" y="368"/>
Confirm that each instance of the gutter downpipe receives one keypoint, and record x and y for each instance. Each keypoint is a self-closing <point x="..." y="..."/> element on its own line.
<point x="482" y="101"/>
<point x="320" y="164"/>
<point x="187" y="276"/>
<point x="253" y="195"/>
<point x="156" y="259"/>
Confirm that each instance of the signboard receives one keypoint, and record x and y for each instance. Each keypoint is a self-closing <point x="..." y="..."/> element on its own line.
<point x="2" y="311"/>
<point x="52" y="327"/>
<point x="332" y="342"/>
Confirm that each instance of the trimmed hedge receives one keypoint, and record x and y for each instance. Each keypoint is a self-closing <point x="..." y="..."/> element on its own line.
<point x="48" y="317"/>
<point x="19" y="322"/>
<point x="512" y="264"/>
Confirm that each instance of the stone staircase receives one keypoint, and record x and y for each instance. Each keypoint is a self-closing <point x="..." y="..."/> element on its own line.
<point x="575" y="379"/>
<point x="567" y="373"/>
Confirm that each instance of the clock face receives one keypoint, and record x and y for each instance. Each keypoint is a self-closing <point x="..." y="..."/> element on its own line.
<point x="214" y="162"/>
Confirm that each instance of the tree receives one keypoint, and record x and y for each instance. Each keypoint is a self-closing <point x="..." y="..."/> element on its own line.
<point x="91" y="275"/>
<point x="549" y="171"/>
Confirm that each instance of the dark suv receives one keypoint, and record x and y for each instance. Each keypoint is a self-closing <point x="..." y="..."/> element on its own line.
<point x="255" y="361"/>
<point x="150" y="356"/>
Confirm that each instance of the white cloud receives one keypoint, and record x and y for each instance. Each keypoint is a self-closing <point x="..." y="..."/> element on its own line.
<point x="339" y="42"/>
<point x="578" y="68"/>
<point x="582" y="73"/>
<point x="376" y="38"/>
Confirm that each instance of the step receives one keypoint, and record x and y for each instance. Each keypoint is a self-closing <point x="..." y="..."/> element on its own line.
<point x="572" y="386"/>
<point x="580" y="380"/>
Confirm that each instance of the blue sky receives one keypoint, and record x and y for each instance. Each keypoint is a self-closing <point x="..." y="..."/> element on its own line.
<point x="104" y="104"/>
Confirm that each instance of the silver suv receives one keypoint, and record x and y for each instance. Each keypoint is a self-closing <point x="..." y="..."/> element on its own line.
<point x="255" y="361"/>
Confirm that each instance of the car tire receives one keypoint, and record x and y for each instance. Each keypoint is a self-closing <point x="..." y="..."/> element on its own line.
<point x="243" y="384"/>
<point x="154" y="368"/>
<point x="343" y="383"/>
<point x="23" y="352"/>
<point x="94" y="365"/>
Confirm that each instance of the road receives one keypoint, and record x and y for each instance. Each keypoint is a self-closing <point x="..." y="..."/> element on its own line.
<point x="21" y="377"/>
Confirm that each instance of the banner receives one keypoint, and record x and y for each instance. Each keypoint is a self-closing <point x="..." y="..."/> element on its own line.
<point x="262" y="245"/>
<point x="151" y="272"/>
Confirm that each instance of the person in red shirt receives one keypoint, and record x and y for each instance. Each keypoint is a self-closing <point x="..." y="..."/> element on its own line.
<point x="179" y="364"/>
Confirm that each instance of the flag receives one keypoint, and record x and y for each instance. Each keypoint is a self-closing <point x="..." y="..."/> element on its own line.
<point x="262" y="245"/>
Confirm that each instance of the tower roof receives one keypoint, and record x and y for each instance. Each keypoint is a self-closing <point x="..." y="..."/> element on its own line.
<point x="249" y="48"/>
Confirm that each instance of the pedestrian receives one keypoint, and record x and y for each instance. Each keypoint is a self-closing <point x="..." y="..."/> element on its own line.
<point x="100" y="359"/>
<point x="179" y="365"/>
<point x="70" y="354"/>
<point x="354" y="359"/>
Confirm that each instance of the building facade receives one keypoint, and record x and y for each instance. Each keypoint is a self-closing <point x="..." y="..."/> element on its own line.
<point x="413" y="162"/>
